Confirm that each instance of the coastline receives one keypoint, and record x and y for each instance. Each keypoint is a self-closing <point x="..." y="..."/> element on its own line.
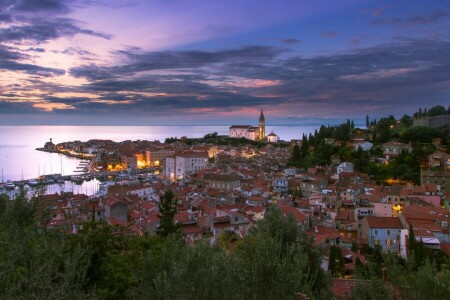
<point x="79" y="156"/>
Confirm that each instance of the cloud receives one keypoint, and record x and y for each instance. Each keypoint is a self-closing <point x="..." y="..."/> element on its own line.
<point x="76" y="51"/>
<point x="167" y="60"/>
<point x="290" y="41"/>
<point x="39" y="21"/>
<point x="36" y="49"/>
<point x="384" y="77"/>
<point x="41" y="31"/>
<point x="329" y="34"/>
<point x="10" y="61"/>
<point x="33" y="6"/>
<point x="430" y="18"/>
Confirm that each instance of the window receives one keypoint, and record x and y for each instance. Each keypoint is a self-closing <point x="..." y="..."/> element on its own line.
<point x="388" y="242"/>
<point x="376" y="232"/>
<point x="388" y="232"/>
<point x="376" y="242"/>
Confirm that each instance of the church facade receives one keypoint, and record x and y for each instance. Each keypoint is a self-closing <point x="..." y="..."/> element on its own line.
<point x="250" y="132"/>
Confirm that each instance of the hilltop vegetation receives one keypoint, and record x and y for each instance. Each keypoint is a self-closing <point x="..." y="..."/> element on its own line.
<point x="274" y="262"/>
<point x="316" y="149"/>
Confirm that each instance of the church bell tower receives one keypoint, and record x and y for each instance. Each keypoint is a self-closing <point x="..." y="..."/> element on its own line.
<point x="262" y="127"/>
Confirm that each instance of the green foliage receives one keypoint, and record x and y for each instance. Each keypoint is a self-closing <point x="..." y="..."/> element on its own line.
<point x="420" y="134"/>
<point x="336" y="264"/>
<point x="170" y="140"/>
<point x="296" y="155"/>
<point x="210" y="136"/>
<point x="167" y="211"/>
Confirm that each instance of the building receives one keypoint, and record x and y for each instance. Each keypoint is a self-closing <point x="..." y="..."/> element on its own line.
<point x="272" y="138"/>
<point x="250" y="132"/>
<point x="49" y="145"/>
<point x="262" y="127"/>
<point x="382" y="231"/>
<point x="156" y="157"/>
<point x="129" y="162"/>
<point x="433" y="122"/>
<point x="115" y="209"/>
<point x="394" y="149"/>
<point x="280" y="185"/>
<point x="179" y="165"/>
<point x="440" y="178"/>
<point x="222" y="181"/>
<point x="439" y="161"/>
<point x="346" y="167"/>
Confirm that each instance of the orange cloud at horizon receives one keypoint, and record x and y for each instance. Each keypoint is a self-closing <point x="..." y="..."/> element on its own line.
<point x="51" y="106"/>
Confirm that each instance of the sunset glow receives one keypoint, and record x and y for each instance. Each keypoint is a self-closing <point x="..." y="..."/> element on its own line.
<point x="220" y="62"/>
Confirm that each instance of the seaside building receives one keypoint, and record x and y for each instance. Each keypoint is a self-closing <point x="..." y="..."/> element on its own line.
<point x="156" y="157"/>
<point x="179" y="165"/>
<point x="251" y="132"/>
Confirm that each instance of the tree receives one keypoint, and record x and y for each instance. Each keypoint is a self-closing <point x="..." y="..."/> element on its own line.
<point x="437" y="110"/>
<point x="296" y="155"/>
<point x="167" y="211"/>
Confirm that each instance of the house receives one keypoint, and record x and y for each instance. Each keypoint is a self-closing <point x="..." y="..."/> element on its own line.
<point x="394" y="149"/>
<point x="129" y="162"/>
<point x="290" y="172"/>
<point x="280" y="185"/>
<point x="116" y="209"/>
<point x="382" y="231"/>
<point x="347" y="167"/>
<point x="227" y="182"/>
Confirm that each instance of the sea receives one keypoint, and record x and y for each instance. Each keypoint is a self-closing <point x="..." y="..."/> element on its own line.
<point x="19" y="160"/>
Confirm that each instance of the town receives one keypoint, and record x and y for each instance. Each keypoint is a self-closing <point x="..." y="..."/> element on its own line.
<point x="337" y="185"/>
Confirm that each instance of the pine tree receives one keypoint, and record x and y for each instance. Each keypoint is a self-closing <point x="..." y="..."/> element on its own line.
<point x="167" y="211"/>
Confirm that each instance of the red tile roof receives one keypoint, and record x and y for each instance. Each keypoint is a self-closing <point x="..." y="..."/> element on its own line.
<point x="384" y="222"/>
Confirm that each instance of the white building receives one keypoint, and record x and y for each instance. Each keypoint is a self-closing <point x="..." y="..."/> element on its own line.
<point x="179" y="165"/>
<point x="347" y="167"/>
<point x="272" y="138"/>
<point x="244" y="131"/>
<point x="250" y="132"/>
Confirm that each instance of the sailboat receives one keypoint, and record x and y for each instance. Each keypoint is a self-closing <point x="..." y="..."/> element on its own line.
<point x="60" y="179"/>
<point x="22" y="181"/>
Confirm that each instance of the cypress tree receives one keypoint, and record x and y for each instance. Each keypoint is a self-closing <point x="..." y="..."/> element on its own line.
<point x="296" y="155"/>
<point x="167" y="211"/>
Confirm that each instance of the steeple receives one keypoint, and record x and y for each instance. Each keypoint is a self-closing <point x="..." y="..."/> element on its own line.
<point x="261" y="117"/>
<point x="262" y="127"/>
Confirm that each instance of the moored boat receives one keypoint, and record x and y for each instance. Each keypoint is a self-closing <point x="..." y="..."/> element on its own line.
<point x="9" y="185"/>
<point x="33" y="182"/>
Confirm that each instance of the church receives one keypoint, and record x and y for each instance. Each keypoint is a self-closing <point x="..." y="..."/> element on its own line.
<point x="251" y="132"/>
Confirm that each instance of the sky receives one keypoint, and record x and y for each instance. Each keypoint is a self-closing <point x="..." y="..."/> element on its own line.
<point x="197" y="62"/>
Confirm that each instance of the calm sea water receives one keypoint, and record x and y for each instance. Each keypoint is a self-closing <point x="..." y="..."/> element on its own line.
<point x="19" y="159"/>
